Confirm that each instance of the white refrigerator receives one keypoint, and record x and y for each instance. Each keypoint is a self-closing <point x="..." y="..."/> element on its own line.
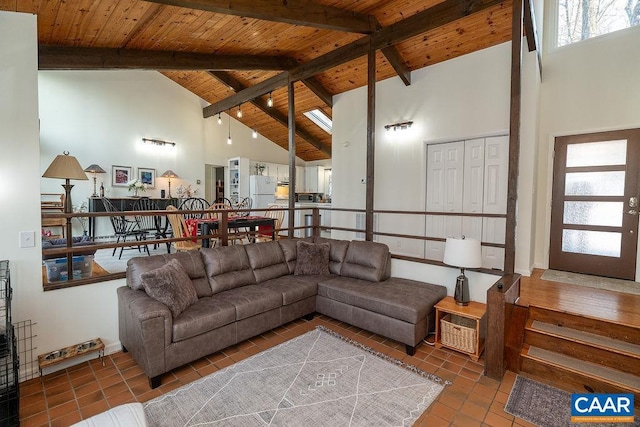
<point x="262" y="190"/>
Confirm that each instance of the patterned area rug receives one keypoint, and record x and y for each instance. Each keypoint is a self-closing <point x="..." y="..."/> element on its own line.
<point x="546" y="406"/>
<point x="316" y="379"/>
<point x="618" y="285"/>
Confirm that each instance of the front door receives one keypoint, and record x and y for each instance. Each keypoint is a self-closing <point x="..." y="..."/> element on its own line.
<point x="594" y="210"/>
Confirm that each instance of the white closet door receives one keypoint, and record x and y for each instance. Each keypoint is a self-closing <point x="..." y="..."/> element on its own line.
<point x="441" y="226"/>
<point x="492" y="257"/>
<point x="493" y="230"/>
<point x="473" y="176"/>
<point x="434" y="228"/>
<point x="496" y="154"/>
<point x="454" y="170"/>
<point x="472" y="227"/>
<point x="435" y="178"/>
<point x="445" y="164"/>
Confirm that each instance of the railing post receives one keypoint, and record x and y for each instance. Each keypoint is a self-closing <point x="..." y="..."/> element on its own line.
<point x="224" y="228"/>
<point x="316" y="222"/>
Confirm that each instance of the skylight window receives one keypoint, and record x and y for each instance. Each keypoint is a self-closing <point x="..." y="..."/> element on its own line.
<point x="320" y="119"/>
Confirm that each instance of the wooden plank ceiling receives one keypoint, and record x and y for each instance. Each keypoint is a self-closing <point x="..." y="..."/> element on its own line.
<point x="248" y="45"/>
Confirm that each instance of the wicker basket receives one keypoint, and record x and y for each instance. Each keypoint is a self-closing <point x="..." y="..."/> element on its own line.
<point x="458" y="332"/>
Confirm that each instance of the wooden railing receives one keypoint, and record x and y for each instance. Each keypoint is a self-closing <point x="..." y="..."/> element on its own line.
<point x="223" y="234"/>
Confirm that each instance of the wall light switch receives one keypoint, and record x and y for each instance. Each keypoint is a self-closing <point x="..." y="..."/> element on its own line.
<point x="27" y="239"/>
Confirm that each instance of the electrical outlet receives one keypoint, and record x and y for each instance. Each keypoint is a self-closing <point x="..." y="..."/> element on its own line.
<point x="27" y="239"/>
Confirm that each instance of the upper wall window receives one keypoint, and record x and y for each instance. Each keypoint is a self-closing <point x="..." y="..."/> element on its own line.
<point x="583" y="19"/>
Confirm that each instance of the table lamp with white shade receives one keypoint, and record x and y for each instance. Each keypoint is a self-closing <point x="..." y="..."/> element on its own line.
<point x="462" y="253"/>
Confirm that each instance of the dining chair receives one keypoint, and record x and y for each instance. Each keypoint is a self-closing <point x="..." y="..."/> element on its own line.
<point x="193" y="204"/>
<point x="244" y="204"/>
<point x="179" y="227"/>
<point x="233" y="234"/>
<point x="224" y="201"/>
<point x="124" y="227"/>
<point x="275" y="212"/>
<point x="157" y="225"/>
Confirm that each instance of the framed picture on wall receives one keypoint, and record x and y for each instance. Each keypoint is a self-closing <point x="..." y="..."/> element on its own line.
<point x="147" y="176"/>
<point x="121" y="175"/>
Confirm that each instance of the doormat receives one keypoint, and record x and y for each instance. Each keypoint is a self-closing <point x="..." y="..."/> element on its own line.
<point x="318" y="379"/>
<point x="617" y="285"/>
<point x="546" y="406"/>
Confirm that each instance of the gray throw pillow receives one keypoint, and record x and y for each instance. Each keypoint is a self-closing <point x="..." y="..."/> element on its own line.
<point x="313" y="258"/>
<point x="170" y="284"/>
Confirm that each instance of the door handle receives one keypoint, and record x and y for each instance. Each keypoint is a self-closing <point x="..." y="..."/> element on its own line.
<point x="633" y="202"/>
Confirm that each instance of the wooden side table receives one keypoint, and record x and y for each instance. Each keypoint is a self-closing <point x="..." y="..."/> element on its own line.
<point x="469" y="321"/>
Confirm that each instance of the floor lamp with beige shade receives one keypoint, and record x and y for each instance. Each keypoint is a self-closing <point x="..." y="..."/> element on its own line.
<point x="66" y="167"/>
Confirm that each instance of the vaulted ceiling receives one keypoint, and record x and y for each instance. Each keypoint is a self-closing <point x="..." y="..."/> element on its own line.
<point x="237" y="52"/>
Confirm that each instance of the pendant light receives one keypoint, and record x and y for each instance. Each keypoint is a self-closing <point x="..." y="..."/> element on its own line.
<point x="270" y="101"/>
<point x="255" y="133"/>
<point x="239" y="112"/>
<point x="229" y="138"/>
<point x="219" y="119"/>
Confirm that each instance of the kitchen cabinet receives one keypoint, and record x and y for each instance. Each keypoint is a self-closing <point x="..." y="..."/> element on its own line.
<point x="314" y="179"/>
<point x="300" y="180"/>
<point x="237" y="180"/>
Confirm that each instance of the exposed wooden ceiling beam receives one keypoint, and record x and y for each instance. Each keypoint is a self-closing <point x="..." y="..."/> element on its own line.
<point x="436" y="16"/>
<point x="296" y="12"/>
<point x="300" y="12"/>
<point x="395" y="60"/>
<point x="86" y="58"/>
<point x="233" y="83"/>
<point x="530" y="26"/>
<point x="316" y="87"/>
<point x="531" y="32"/>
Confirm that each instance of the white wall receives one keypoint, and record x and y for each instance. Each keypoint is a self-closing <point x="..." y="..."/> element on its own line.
<point x="217" y="151"/>
<point x="462" y="98"/>
<point x="587" y="87"/>
<point x="62" y="317"/>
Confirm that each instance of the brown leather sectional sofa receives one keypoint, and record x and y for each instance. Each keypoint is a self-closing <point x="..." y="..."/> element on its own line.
<point x="245" y="290"/>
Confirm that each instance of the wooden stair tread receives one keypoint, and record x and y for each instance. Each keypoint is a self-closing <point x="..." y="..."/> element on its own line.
<point x="586" y="368"/>
<point x="596" y="340"/>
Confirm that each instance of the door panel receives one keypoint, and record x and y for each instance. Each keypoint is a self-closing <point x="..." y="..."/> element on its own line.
<point x="473" y="176"/>
<point x="496" y="154"/>
<point x="594" y="222"/>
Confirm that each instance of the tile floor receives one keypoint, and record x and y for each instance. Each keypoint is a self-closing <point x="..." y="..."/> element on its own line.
<point x="67" y="396"/>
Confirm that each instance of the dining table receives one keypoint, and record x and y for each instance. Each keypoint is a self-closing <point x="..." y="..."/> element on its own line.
<point x="254" y="224"/>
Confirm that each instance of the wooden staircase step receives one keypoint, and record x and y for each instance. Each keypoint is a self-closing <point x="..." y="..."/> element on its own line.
<point x="611" y="329"/>
<point x="577" y="375"/>
<point x="586" y="346"/>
